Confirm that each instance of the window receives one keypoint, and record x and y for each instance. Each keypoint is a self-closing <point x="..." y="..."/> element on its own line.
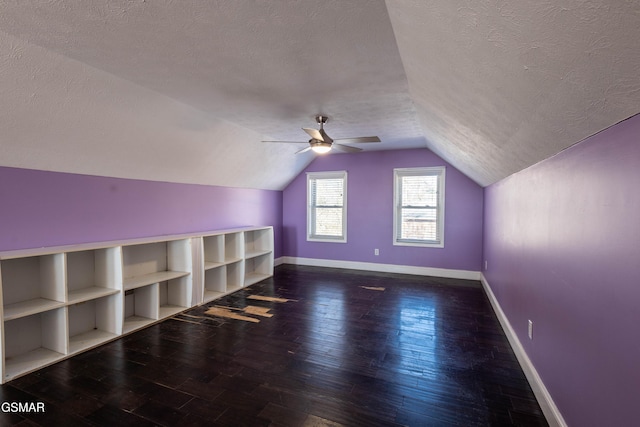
<point x="326" y="206"/>
<point x="419" y="207"/>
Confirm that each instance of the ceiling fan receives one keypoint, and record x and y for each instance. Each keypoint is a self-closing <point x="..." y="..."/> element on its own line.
<point x="321" y="143"/>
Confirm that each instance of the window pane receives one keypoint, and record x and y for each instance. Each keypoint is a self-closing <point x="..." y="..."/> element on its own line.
<point x="420" y="190"/>
<point x="418" y="224"/>
<point x="328" y="222"/>
<point x="328" y="192"/>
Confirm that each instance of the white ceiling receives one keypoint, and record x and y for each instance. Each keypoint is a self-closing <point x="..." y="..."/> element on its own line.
<point x="184" y="91"/>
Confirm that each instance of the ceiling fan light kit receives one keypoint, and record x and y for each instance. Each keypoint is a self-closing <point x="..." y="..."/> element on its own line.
<point x="322" y="143"/>
<point x="320" y="147"/>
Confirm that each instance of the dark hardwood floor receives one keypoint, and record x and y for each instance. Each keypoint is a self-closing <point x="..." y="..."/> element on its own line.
<point x="342" y="351"/>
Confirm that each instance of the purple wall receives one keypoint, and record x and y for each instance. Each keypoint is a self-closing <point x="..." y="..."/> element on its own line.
<point x="562" y="241"/>
<point x="49" y="208"/>
<point x="370" y="213"/>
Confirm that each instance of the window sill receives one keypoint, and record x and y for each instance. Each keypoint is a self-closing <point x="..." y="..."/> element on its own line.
<point x="326" y="240"/>
<point x="420" y="244"/>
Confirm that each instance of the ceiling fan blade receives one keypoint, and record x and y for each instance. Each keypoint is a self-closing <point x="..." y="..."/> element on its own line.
<point x="289" y="142"/>
<point x="314" y="133"/>
<point x="303" y="150"/>
<point x="359" y="140"/>
<point x="345" y="148"/>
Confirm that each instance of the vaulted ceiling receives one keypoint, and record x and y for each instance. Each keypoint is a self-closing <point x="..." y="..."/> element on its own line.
<point x="184" y="91"/>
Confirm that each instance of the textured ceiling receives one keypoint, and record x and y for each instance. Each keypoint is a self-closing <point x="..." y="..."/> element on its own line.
<point x="185" y="90"/>
<point x="499" y="86"/>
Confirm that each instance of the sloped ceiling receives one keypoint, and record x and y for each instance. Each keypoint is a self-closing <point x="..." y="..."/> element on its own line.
<point x="184" y="91"/>
<point x="501" y="85"/>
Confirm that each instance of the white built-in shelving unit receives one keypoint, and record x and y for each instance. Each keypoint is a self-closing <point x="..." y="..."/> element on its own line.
<point x="57" y="302"/>
<point x="234" y="260"/>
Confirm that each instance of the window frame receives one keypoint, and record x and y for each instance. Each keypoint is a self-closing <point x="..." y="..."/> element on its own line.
<point x="398" y="173"/>
<point x="311" y="177"/>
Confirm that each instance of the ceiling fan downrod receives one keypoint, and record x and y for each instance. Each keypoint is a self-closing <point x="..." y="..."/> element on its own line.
<point x="321" y="120"/>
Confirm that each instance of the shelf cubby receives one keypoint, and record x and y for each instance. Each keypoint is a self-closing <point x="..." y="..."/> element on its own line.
<point x="233" y="247"/>
<point x="214" y="251"/>
<point x="92" y="323"/>
<point x="215" y="283"/>
<point x="34" y="341"/>
<point x="141" y="307"/>
<point x="258" y="242"/>
<point x="32" y="285"/>
<point x="258" y="268"/>
<point x="235" y="276"/>
<point x="151" y="263"/>
<point x="174" y="297"/>
<point x="91" y="274"/>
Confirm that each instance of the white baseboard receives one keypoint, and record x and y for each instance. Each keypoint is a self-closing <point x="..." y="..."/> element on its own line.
<point x="549" y="408"/>
<point x="384" y="268"/>
<point x="278" y="261"/>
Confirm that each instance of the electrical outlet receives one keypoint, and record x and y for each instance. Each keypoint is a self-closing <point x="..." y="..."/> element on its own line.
<point x="376" y="252"/>
<point x="486" y="264"/>
<point x="530" y="329"/>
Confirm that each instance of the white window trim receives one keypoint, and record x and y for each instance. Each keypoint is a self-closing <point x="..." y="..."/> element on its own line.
<point x="436" y="170"/>
<point x="327" y="175"/>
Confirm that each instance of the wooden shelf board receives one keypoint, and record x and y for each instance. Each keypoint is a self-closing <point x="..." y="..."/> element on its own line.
<point x="218" y="289"/>
<point x="170" y="310"/>
<point x="29" y="307"/>
<point x="150" y="279"/>
<point x="251" y="278"/>
<point x="134" y="323"/>
<point x="208" y="265"/>
<point x="30" y="361"/>
<point x="231" y="289"/>
<point x="86" y="294"/>
<point x="256" y="253"/>
<point x="232" y="260"/>
<point x="212" y="295"/>
<point x="89" y="339"/>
